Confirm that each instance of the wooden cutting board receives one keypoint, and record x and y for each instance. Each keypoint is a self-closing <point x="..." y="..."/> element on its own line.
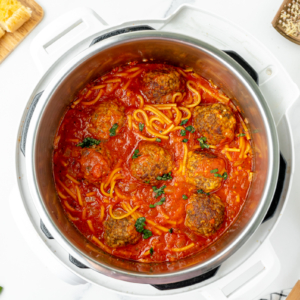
<point x="11" y="40"/>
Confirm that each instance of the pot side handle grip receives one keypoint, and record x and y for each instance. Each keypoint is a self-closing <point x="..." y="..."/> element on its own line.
<point x="256" y="273"/>
<point x="61" y="35"/>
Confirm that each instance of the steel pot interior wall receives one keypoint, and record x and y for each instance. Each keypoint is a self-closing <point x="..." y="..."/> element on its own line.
<point x="206" y="61"/>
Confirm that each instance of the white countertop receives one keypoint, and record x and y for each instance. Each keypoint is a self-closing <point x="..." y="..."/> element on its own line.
<point x="22" y="274"/>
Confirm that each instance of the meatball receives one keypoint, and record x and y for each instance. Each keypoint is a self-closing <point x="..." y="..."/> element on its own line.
<point x="199" y="167"/>
<point x="107" y="116"/>
<point x="204" y="214"/>
<point x="216" y="122"/>
<point x="119" y="233"/>
<point x="95" y="163"/>
<point x="153" y="161"/>
<point x="160" y="85"/>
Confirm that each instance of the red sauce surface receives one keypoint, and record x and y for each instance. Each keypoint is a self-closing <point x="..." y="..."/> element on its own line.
<point x="66" y="160"/>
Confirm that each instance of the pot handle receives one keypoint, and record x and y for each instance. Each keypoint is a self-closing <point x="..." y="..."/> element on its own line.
<point x="258" y="272"/>
<point x="57" y="38"/>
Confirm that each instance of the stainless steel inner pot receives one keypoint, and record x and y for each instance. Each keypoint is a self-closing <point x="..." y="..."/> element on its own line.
<point x="178" y="50"/>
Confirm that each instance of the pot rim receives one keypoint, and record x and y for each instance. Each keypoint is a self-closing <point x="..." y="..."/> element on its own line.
<point x="248" y="230"/>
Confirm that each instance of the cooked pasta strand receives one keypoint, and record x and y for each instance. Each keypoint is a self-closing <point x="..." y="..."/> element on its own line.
<point x="111" y="175"/>
<point x="215" y="95"/>
<point x="125" y="87"/>
<point x="90" y="224"/>
<point x="145" y="116"/>
<point x="102" y="213"/>
<point x="150" y="131"/>
<point x="141" y="101"/>
<point x="61" y="195"/>
<point x="198" y="100"/>
<point x="102" y="190"/>
<point x="79" y="196"/>
<point x="95" y="100"/>
<point x="83" y="213"/>
<point x="91" y="194"/>
<point x="133" y="69"/>
<point x="183" y="248"/>
<point x="158" y="113"/>
<point x="189" y="114"/>
<point x="129" y="119"/>
<point x="67" y="190"/>
<point x="184" y="158"/>
<point x="113" y="80"/>
<point x="169" y="129"/>
<point x="135" y="74"/>
<point x="69" y="207"/>
<point x="71" y="217"/>
<point x="123" y="216"/>
<point x="145" y="138"/>
<point x="101" y="245"/>
<point x="72" y="179"/>
<point x="98" y="87"/>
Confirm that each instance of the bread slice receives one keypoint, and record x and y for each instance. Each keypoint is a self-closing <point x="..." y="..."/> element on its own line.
<point x="13" y="15"/>
<point x="2" y="32"/>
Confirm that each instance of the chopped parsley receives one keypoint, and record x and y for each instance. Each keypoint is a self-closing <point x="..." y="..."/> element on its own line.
<point x="184" y="122"/>
<point x="171" y="230"/>
<point x="136" y="154"/>
<point x="224" y="176"/>
<point x="159" y="191"/>
<point x="158" y="140"/>
<point x="147" y="181"/>
<point x="185" y="197"/>
<point x="151" y="251"/>
<point x="140" y="224"/>
<point x="202" y="141"/>
<point x="162" y="200"/>
<point x="147" y="233"/>
<point x="190" y="129"/>
<point x="185" y="140"/>
<point x="241" y="134"/>
<point x="88" y="142"/>
<point x="1" y="288"/>
<point x="112" y="131"/>
<point x="202" y="192"/>
<point x="167" y="176"/>
<point x="182" y="132"/>
<point x="141" y="126"/>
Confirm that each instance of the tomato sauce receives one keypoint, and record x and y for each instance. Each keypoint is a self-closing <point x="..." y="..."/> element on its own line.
<point x="92" y="209"/>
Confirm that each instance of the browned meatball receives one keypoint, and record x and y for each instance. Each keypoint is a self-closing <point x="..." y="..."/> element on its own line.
<point x="199" y="167"/>
<point x="95" y="163"/>
<point x="119" y="233"/>
<point x="216" y="122"/>
<point x="204" y="214"/>
<point x="160" y="85"/>
<point x="153" y="161"/>
<point x="107" y="120"/>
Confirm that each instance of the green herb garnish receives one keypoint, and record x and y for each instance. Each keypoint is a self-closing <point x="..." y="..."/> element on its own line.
<point x="158" y="140"/>
<point x="112" y="131"/>
<point x="218" y="175"/>
<point x="185" y="140"/>
<point x="167" y="176"/>
<point x="202" y="192"/>
<point x="159" y="191"/>
<point x="1" y="288"/>
<point x="185" y="197"/>
<point x="88" y="142"/>
<point x="147" y="233"/>
<point x="136" y="154"/>
<point x="147" y="181"/>
<point x="202" y="141"/>
<point x="140" y="224"/>
<point x="162" y="200"/>
<point x="141" y="126"/>
<point x="184" y="122"/>
<point x="190" y="129"/>
<point x="214" y="171"/>
<point x="225" y="175"/>
<point x="182" y="132"/>
<point x="241" y="134"/>
<point x="171" y="230"/>
<point x="151" y="251"/>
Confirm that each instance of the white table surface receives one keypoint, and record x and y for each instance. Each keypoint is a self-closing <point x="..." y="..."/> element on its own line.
<point x="22" y="274"/>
